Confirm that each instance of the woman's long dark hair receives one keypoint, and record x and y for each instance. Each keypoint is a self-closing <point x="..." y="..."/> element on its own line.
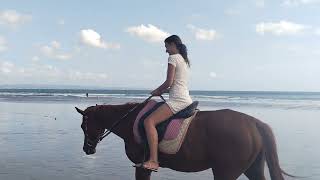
<point x="181" y="47"/>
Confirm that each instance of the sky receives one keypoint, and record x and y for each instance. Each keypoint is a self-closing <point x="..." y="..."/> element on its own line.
<point x="238" y="45"/>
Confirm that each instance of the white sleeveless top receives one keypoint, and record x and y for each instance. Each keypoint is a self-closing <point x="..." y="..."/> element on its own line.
<point x="179" y="97"/>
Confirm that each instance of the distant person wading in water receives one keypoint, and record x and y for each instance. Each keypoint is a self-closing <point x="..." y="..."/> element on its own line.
<point x="177" y="86"/>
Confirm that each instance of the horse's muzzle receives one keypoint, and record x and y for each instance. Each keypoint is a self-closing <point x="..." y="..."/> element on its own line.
<point x="88" y="150"/>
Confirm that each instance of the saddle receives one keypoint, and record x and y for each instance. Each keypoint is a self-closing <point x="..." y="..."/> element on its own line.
<point x="152" y="105"/>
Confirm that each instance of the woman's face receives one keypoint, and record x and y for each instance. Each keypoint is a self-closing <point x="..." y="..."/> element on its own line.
<point x="171" y="48"/>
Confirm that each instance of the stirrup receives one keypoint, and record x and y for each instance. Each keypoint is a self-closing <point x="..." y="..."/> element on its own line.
<point x="141" y="165"/>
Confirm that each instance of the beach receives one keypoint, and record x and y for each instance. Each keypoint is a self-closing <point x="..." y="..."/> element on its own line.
<point x="41" y="136"/>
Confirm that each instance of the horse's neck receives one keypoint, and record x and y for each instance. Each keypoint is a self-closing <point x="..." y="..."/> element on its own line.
<point x="124" y="128"/>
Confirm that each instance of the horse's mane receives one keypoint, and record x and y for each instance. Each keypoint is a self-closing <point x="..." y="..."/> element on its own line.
<point x="110" y="106"/>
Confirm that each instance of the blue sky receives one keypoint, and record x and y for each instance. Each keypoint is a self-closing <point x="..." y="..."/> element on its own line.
<point x="233" y="45"/>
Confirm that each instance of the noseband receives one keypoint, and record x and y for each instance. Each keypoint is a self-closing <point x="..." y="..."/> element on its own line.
<point x="92" y="143"/>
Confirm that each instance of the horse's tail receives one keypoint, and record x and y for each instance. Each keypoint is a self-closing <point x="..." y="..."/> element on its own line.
<point x="270" y="149"/>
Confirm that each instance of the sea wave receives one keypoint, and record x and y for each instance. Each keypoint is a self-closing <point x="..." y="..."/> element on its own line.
<point x="253" y="99"/>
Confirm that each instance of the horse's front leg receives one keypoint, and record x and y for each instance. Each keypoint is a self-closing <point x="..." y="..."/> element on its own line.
<point x="142" y="174"/>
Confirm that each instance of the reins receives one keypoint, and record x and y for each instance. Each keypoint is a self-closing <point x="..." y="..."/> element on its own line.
<point x="107" y="132"/>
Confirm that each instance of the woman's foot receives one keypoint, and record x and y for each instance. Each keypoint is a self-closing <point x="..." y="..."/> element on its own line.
<point x="151" y="165"/>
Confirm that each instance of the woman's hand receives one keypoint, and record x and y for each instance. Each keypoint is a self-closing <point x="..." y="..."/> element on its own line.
<point x="156" y="92"/>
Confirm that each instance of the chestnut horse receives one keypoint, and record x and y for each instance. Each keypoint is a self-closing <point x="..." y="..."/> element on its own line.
<point x="229" y="142"/>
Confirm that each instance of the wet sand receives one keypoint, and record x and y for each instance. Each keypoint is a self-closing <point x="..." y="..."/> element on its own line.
<point x="43" y="140"/>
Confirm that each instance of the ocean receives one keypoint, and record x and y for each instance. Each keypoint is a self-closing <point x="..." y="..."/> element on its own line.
<point x="295" y="100"/>
<point x="41" y="138"/>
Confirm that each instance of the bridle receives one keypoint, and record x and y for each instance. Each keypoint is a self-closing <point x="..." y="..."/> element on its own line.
<point x="92" y="143"/>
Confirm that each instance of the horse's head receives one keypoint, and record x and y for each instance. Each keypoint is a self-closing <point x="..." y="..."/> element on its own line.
<point x="95" y="119"/>
<point x="92" y="129"/>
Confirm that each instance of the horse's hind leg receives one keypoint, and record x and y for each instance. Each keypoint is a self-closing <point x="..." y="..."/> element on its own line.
<point x="142" y="174"/>
<point x="256" y="170"/>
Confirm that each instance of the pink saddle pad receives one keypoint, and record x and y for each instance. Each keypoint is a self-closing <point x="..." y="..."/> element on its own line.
<point x="171" y="132"/>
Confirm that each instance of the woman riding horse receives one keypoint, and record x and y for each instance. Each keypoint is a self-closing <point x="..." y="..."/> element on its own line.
<point x="179" y="98"/>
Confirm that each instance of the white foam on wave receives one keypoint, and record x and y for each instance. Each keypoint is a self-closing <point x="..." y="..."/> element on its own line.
<point x="259" y="100"/>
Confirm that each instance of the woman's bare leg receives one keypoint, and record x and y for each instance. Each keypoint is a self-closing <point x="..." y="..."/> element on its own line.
<point x="158" y="116"/>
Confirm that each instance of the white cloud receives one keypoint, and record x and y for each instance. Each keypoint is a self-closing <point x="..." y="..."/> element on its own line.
<point x="148" y="33"/>
<point x="281" y="28"/>
<point x="204" y="34"/>
<point x="3" y="44"/>
<point x="6" y="67"/>
<point x="13" y="18"/>
<point x="299" y="2"/>
<point x="47" y="73"/>
<point x="53" y="51"/>
<point x="212" y="74"/>
<point x="92" y="38"/>
<point x="317" y="31"/>
<point x="47" y="50"/>
<point x="55" y="44"/>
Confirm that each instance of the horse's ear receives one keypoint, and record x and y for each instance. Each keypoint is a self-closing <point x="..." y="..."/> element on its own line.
<point x="80" y="111"/>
